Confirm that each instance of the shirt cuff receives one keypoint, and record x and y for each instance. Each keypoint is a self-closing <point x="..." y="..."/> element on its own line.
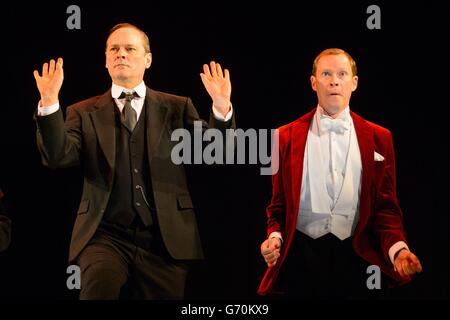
<point x="276" y="234"/>
<point x="45" y="111"/>
<point x="219" y="116"/>
<point x="397" y="246"/>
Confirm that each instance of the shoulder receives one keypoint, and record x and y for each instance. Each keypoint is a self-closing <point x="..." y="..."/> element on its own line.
<point x="380" y="131"/>
<point x="382" y="137"/>
<point x="167" y="98"/>
<point x="377" y="129"/>
<point x="304" y="120"/>
<point x="87" y="105"/>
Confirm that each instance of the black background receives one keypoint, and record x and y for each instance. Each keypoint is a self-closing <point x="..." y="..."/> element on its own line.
<point x="269" y="49"/>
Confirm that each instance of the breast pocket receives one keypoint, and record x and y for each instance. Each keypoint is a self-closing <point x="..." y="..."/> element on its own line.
<point x="84" y="206"/>
<point x="184" y="202"/>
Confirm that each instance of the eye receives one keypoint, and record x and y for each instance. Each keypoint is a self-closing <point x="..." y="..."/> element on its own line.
<point x="326" y="73"/>
<point x="131" y="49"/>
<point x="113" y="49"/>
<point x="342" y="74"/>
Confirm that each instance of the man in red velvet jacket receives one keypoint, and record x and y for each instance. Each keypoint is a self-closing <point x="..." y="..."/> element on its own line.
<point x="334" y="209"/>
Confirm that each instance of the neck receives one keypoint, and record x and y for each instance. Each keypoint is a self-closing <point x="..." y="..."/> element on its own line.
<point x="127" y="84"/>
<point x="331" y="113"/>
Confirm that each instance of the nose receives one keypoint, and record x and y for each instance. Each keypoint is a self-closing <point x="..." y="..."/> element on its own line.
<point x="334" y="80"/>
<point x="121" y="53"/>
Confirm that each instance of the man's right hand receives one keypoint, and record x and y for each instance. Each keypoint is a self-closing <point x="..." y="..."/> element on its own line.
<point x="50" y="82"/>
<point x="270" y="249"/>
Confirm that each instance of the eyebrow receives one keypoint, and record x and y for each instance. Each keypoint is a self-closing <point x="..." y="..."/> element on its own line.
<point x="125" y="45"/>
<point x="339" y="70"/>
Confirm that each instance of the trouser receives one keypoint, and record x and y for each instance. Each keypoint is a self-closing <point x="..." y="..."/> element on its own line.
<point x="325" y="268"/>
<point x="129" y="263"/>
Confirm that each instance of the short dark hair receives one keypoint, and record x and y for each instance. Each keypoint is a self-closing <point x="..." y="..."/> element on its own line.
<point x="334" y="51"/>
<point x="145" y="40"/>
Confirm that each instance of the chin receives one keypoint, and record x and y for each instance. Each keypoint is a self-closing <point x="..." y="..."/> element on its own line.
<point x="333" y="109"/>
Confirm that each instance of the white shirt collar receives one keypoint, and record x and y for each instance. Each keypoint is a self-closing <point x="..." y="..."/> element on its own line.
<point x="117" y="90"/>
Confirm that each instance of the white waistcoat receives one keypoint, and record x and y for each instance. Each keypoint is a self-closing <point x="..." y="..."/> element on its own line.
<point x="319" y="214"/>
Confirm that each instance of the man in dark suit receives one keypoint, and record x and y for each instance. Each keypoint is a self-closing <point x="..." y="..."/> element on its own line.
<point x="136" y="227"/>
<point x="5" y="226"/>
<point x="334" y="209"/>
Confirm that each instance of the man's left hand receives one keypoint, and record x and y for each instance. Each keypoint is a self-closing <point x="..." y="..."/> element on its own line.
<point x="218" y="85"/>
<point x="407" y="263"/>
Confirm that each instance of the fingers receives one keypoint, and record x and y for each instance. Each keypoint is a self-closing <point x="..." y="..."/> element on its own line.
<point x="219" y="70"/>
<point x="272" y="257"/>
<point x="265" y="247"/>
<point x="204" y="79"/>
<point x="408" y="267"/>
<point x="276" y="243"/>
<point x="227" y="75"/>
<point x="45" y="70"/>
<point x="215" y="70"/>
<point x="206" y="71"/>
<point x="270" y="251"/>
<point x="414" y="263"/>
<point x="51" y="68"/>
<point x="36" y="75"/>
<point x="48" y="69"/>
<point x="59" y="66"/>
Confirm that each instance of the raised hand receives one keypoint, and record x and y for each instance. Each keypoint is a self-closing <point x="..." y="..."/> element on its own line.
<point x="407" y="263"/>
<point x="50" y="82"/>
<point x="218" y="85"/>
<point x="270" y="250"/>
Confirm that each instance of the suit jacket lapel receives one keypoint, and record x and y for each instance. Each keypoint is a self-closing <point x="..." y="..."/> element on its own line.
<point x="366" y="147"/>
<point x="103" y="120"/>
<point x="156" y="119"/>
<point x="299" y="137"/>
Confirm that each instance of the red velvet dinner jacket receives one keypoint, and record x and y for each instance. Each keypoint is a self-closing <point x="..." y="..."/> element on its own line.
<point x="380" y="217"/>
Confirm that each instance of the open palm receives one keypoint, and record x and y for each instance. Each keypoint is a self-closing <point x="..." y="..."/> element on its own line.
<point x="218" y="85"/>
<point x="50" y="83"/>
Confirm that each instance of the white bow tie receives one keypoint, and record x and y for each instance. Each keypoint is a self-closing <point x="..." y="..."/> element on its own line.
<point x="336" y="125"/>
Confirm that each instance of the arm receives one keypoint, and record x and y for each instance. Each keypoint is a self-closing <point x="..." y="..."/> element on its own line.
<point x="218" y="85"/>
<point x="388" y="220"/>
<point x="59" y="143"/>
<point x="276" y="211"/>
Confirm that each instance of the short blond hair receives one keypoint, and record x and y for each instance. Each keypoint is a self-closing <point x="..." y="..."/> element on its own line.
<point x="334" y="51"/>
<point x="145" y="40"/>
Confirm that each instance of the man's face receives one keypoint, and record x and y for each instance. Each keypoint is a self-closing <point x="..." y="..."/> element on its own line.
<point x="334" y="83"/>
<point x="126" y="59"/>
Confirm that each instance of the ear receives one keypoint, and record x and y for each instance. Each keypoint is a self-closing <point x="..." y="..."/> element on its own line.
<point x="354" y="83"/>
<point x="313" y="83"/>
<point x="148" y="62"/>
